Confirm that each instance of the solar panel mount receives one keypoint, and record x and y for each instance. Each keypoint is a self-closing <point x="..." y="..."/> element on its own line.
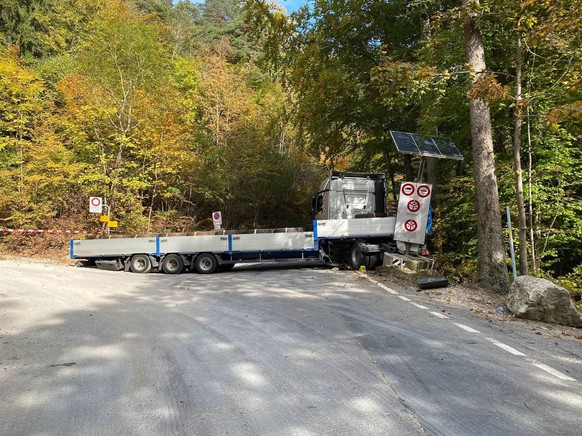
<point x="425" y="146"/>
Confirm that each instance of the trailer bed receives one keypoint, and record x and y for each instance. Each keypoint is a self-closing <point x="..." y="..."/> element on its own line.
<point x="172" y="253"/>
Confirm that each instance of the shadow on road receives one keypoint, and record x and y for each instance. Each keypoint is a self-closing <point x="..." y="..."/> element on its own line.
<point x="263" y="349"/>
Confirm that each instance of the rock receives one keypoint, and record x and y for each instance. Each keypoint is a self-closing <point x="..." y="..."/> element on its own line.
<point x="542" y="300"/>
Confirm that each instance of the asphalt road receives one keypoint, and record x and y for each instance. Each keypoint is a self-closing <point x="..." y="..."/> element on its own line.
<point x="267" y="351"/>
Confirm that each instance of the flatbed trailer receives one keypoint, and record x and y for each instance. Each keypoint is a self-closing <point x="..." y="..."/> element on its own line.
<point x="355" y="240"/>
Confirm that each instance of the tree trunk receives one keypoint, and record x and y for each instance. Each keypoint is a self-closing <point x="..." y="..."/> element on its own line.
<point x="492" y="267"/>
<point x="432" y="163"/>
<point x="529" y="196"/>
<point x="518" y="120"/>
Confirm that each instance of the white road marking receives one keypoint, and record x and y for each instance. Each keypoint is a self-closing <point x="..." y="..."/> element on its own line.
<point x="467" y="328"/>
<point x="505" y="347"/>
<point x="553" y="371"/>
<point x="383" y="286"/>
<point x="386" y="288"/>
<point x="501" y="345"/>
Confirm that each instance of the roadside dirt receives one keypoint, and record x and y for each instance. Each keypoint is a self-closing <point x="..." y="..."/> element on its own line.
<point x="483" y="302"/>
<point x="36" y="248"/>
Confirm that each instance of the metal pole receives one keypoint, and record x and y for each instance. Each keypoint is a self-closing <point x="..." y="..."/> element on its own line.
<point x="511" y="243"/>
<point x="109" y="215"/>
<point x="421" y="169"/>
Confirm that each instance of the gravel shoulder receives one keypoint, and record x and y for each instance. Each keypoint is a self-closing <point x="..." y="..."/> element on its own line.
<point x="485" y="303"/>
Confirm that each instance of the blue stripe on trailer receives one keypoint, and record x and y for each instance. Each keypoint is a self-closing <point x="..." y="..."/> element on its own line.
<point x="229" y="244"/>
<point x="315" y="239"/>
<point x="157" y="245"/>
<point x="71" y="249"/>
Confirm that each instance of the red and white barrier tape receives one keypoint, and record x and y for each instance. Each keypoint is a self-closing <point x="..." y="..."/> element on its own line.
<point x="54" y="231"/>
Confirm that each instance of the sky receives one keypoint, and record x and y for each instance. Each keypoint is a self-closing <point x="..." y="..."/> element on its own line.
<point x="290" y="5"/>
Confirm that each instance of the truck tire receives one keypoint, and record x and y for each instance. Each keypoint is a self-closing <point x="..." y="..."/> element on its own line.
<point x="371" y="261"/>
<point x="206" y="263"/>
<point x="355" y="256"/>
<point x="140" y="264"/>
<point x="172" y="264"/>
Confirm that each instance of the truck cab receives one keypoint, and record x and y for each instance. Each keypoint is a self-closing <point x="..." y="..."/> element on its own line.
<point x="347" y="195"/>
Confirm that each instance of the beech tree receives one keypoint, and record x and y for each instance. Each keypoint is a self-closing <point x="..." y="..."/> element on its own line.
<point x="492" y="267"/>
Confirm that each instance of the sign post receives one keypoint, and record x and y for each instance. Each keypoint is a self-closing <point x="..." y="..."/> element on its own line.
<point x="217" y="220"/>
<point x="96" y="205"/>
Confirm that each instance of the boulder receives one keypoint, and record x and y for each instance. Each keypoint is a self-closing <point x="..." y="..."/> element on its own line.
<point x="542" y="300"/>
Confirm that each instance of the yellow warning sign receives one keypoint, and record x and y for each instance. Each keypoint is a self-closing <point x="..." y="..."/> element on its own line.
<point x="112" y="224"/>
<point x="104" y="218"/>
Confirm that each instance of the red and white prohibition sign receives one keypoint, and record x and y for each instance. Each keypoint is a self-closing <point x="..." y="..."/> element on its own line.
<point x="413" y="206"/>
<point x="423" y="191"/>
<point x="408" y="189"/>
<point x="410" y="225"/>
<point x="95" y="204"/>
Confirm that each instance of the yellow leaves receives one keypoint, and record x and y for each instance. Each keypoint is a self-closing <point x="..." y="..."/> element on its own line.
<point x="567" y="112"/>
<point x="18" y="83"/>
<point x="530" y="22"/>
<point x="488" y="89"/>
<point x="225" y="100"/>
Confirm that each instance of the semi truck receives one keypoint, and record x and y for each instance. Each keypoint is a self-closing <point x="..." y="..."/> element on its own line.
<point x="351" y="226"/>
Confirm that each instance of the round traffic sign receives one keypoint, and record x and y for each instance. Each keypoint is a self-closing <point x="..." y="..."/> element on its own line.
<point x="216" y="216"/>
<point x="95" y="201"/>
<point x="410" y="225"/>
<point x="408" y="189"/>
<point x="413" y="206"/>
<point x="423" y="191"/>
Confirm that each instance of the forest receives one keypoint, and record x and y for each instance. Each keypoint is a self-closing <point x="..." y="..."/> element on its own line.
<point x="172" y="110"/>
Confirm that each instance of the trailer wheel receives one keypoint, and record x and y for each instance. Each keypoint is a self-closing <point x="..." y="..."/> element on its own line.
<point x="140" y="263"/>
<point x="206" y="263"/>
<point x="172" y="264"/>
<point x="355" y="256"/>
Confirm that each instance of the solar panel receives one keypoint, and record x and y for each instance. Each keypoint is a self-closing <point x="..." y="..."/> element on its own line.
<point x="404" y="142"/>
<point x="427" y="146"/>
<point x="448" y="148"/>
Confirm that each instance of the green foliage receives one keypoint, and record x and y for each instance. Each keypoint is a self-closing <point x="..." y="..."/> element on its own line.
<point x="358" y="69"/>
<point x="21" y="24"/>
<point x="173" y="111"/>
